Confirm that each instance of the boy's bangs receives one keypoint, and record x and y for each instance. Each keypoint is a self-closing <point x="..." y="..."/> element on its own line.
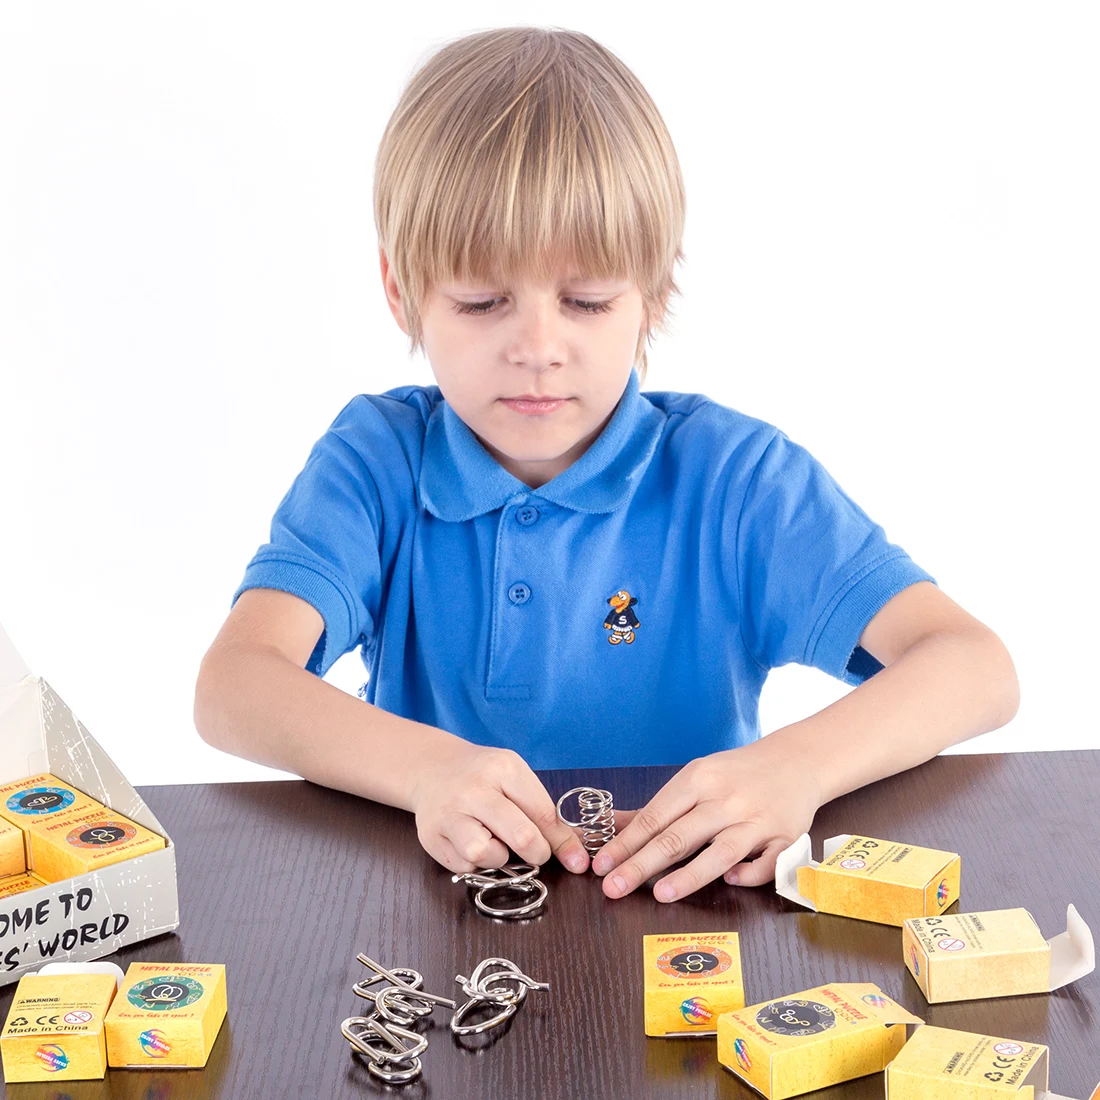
<point x="540" y="195"/>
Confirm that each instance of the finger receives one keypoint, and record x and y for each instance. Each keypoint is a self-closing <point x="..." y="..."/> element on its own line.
<point x="673" y="801"/>
<point x="726" y="850"/>
<point x="760" y="870"/>
<point x="472" y="841"/>
<point x="525" y="789"/>
<point x="443" y="852"/>
<point x="622" y="819"/>
<point x="514" y="827"/>
<point x="682" y="837"/>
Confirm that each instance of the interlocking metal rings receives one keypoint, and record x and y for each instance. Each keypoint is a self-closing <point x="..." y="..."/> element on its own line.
<point x="397" y="1063"/>
<point x="512" y="876"/>
<point x="392" y="1051"/>
<point x="479" y="988"/>
<point x="597" y="823"/>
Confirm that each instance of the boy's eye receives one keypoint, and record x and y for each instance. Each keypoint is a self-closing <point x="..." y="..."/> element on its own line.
<point x="485" y="307"/>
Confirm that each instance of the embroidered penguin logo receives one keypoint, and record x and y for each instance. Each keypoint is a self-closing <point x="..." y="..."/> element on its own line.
<point x="621" y="621"/>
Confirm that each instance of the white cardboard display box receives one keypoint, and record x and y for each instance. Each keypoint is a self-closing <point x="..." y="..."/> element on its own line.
<point x="90" y="915"/>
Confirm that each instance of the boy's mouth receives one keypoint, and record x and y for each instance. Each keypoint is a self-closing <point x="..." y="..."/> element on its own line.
<point x="529" y="404"/>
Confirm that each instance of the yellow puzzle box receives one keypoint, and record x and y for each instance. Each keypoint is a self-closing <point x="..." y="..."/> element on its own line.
<point x="16" y="884"/>
<point x="54" y="1029"/>
<point x="1001" y="953"/>
<point x="13" y="856"/>
<point x="869" y="879"/>
<point x="690" y="980"/>
<point x="67" y="832"/>
<point x="166" y="1015"/>
<point x="814" y="1039"/>
<point x="938" y="1062"/>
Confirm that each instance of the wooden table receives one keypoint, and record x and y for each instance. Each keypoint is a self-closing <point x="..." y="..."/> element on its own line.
<point x="285" y="882"/>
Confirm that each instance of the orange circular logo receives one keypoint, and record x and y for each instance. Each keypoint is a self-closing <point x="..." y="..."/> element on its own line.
<point x="692" y="960"/>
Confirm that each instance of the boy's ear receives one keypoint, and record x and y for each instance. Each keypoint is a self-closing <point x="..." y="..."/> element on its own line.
<point x="393" y="294"/>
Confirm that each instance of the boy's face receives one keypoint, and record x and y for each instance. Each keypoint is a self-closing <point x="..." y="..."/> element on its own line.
<point x="530" y="341"/>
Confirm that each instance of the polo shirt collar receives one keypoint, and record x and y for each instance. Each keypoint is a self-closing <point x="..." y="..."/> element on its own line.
<point x="459" y="479"/>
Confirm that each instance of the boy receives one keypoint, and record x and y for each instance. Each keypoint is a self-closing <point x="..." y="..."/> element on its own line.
<point x="545" y="567"/>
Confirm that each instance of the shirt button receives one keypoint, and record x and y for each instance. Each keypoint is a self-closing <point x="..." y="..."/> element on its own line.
<point x="527" y="515"/>
<point x="519" y="593"/>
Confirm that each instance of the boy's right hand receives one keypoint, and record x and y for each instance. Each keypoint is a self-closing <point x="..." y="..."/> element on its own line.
<point x="472" y="803"/>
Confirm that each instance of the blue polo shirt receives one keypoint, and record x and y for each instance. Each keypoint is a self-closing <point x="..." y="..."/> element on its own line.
<point x="626" y="612"/>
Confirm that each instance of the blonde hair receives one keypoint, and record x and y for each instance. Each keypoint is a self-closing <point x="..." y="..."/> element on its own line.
<point x="514" y="148"/>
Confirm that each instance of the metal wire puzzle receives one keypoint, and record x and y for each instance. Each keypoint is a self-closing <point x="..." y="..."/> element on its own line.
<point x="597" y="823"/>
<point x="382" y="1036"/>
<point x="512" y="876"/>
<point x="479" y="989"/>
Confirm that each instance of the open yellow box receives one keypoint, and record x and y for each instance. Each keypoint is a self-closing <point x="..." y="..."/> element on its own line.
<point x="1000" y="953"/>
<point x="869" y="879"/>
<point x="938" y="1062"/>
<point x="54" y="1030"/>
<point x="814" y="1039"/>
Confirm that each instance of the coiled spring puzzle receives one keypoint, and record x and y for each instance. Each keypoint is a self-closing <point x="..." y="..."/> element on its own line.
<point x="597" y="823"/>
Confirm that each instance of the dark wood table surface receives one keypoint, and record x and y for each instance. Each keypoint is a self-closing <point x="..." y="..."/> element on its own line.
<point x="284" y="882"/>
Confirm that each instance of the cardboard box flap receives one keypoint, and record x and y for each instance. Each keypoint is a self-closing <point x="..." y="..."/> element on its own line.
<point x="1072" y="954"/>
<point x="799" y="854"/>
<point x="86" y="766"/>
<point x="834" y="844"/>
<point x="1038" y="1077"/>
<point x="12" y="666"/>
<point x="32" y="717"/>
<point x="874" y="1001"/>
<point x="20" y="731"/>
<point x="1058" y="1096"/>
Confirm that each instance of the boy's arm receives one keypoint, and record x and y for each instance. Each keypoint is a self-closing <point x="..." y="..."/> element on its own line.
<point x="255" y="699"/>
<point x="947" y="677"/>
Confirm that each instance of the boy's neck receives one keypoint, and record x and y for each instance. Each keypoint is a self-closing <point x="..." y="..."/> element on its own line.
<point x="536" y="473"/>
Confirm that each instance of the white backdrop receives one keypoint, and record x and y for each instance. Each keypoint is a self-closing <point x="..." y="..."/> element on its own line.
<point x="892" y="245"/>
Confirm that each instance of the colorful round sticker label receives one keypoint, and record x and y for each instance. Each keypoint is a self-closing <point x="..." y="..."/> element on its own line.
<point x="52" y="1057"/>
<point x="941" y="893"/>
<point x="154" y="1043"/>
<point x="692" y="961"/>
<point x="696" y="1011"/>
<point x="100" y="834"/>
<point x="741" y="1053"/>
<point x="874" y="1000"/>
<point x="165" y="993"/>
<point x="40" y="800"/>
<point x="796" y="1017"/>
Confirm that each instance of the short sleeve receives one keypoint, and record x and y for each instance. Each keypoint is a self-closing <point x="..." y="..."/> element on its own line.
<point x="813" y="568"/>
<point x="324" y="547"/>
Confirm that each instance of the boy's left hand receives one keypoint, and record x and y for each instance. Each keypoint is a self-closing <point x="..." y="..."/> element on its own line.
<point x="746" y="805"/>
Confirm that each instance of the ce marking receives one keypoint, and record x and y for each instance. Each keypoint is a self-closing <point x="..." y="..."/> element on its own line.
<point x="42" y="1020"/>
